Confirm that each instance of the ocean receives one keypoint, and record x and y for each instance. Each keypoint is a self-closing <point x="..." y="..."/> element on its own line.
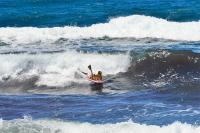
<point x="147" y="50"/>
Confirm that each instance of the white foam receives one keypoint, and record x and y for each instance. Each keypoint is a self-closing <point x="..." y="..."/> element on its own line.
<point x="59" y="69"/>
<point x="53" y="126"/>
<point x="137" y="26"/>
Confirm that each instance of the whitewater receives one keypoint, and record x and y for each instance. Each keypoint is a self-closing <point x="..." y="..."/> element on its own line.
<point x="59" y="69"/>
<point x="134" y="26"/>
<point x="52" y="126"/>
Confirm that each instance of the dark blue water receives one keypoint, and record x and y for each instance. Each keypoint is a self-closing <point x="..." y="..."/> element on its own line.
<point x="158" y="107"/>
<point x="150" y="65"/>
<point x="45" y="13"/>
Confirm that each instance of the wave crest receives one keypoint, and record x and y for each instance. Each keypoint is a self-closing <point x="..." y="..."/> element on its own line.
<point x="135" y="26"/>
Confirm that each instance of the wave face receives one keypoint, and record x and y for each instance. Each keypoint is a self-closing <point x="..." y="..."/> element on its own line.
<point x="163" y="63"/>
<point x="52" y="126"/>
<point x="135" y="26"/>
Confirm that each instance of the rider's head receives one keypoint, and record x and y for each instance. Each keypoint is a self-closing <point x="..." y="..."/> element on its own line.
<point x="99" y="73"/>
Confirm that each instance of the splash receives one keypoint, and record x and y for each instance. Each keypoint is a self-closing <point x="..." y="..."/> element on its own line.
<point x="59" y="69"/>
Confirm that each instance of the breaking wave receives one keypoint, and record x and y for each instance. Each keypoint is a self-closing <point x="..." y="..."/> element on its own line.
<point x="62" y="69"/>
<point x="135" y="26"/>
<point x="58" y="69"/>
<point x="55" y="126"/>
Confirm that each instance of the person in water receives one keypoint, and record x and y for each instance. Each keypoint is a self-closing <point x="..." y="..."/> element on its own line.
<point x="97" y="76"/>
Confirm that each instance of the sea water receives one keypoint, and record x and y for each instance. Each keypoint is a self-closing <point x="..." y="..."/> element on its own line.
<point x="147" y="50"/>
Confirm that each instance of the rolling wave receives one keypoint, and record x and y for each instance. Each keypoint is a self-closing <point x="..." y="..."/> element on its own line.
<point x="58" y="69"/>
<point x="155" y="64"/>
<point x="53" y="126"/>
<point x="135" y="26"/>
